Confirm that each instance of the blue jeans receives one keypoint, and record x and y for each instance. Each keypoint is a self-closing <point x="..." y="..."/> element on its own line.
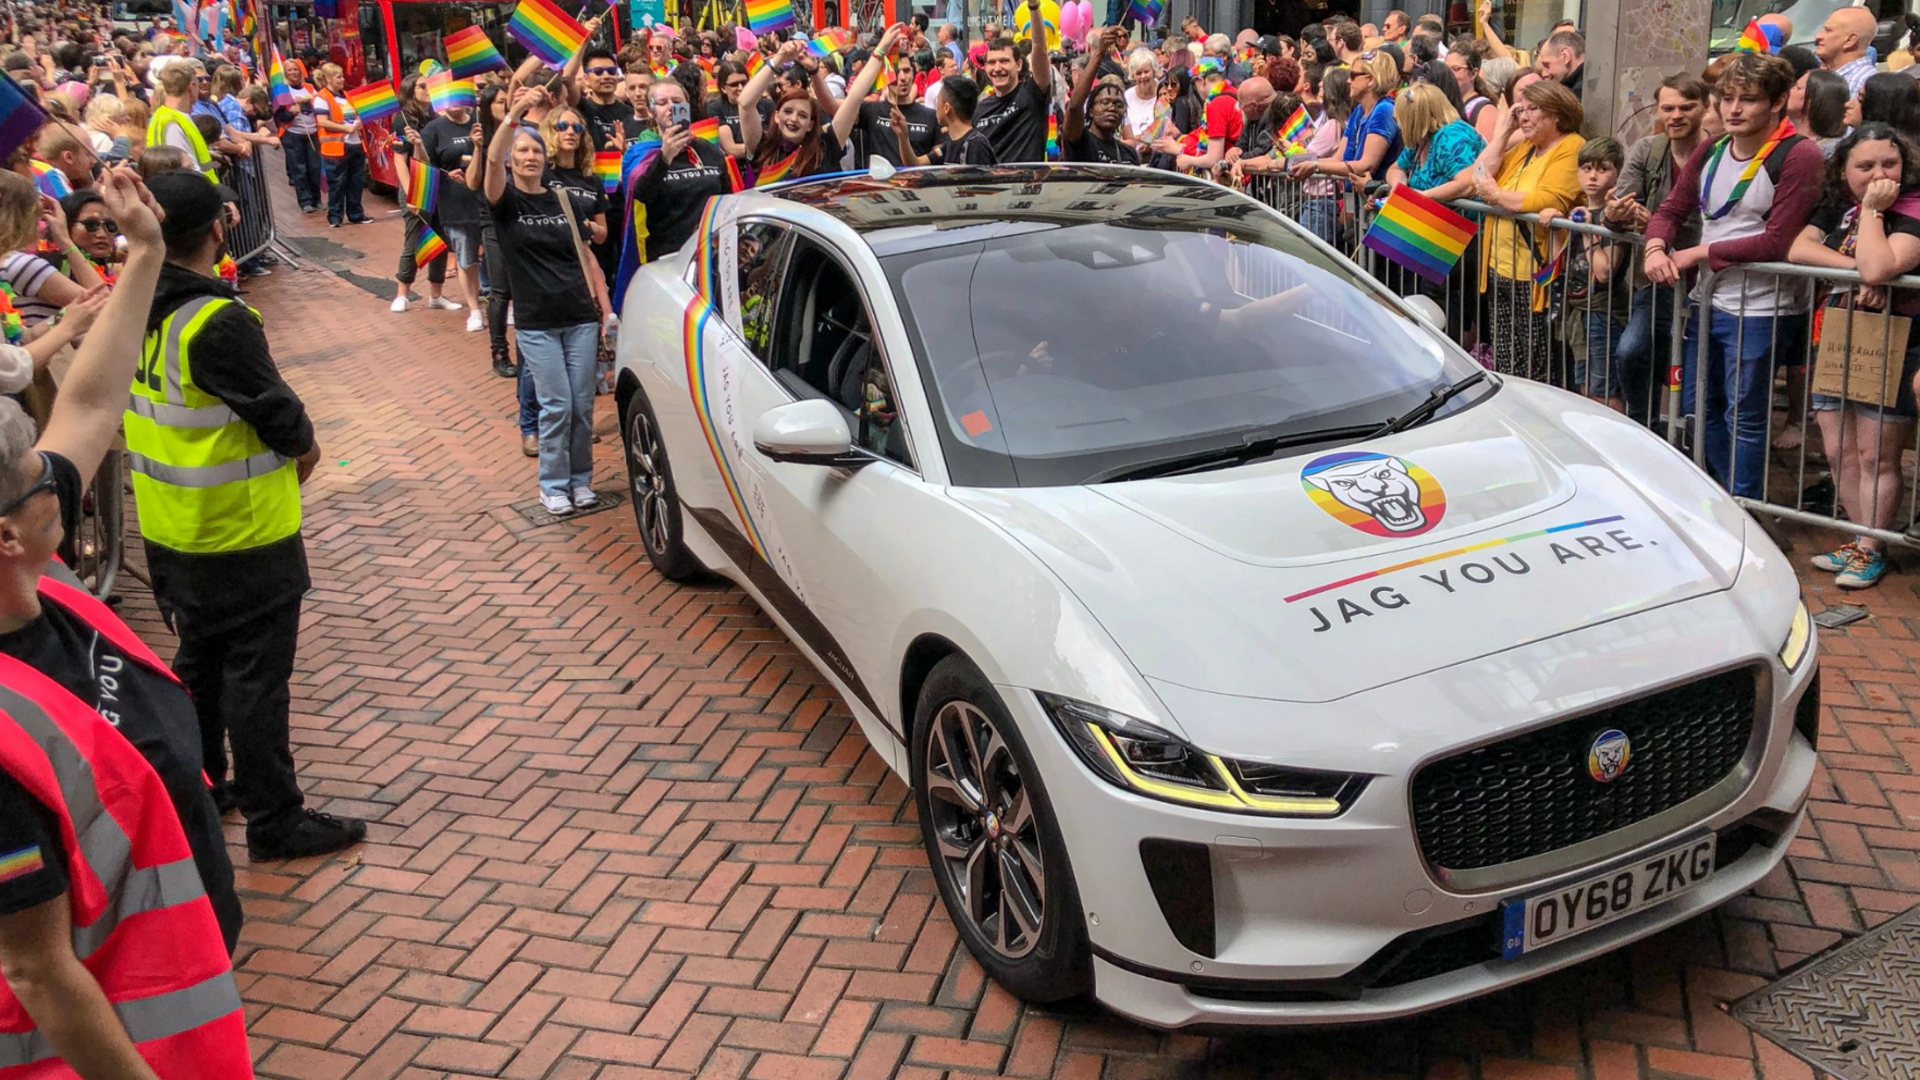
<point x="1644" y="350"/>
<point x="1321" y="217"/>
<point x="1740" y="359"/>
<point x="303" y="168"/>
<point x="529" y="403"/>
<point x="346" y="178"/>
<point x="561" y="360"/>
<point x="1599" y="373"/>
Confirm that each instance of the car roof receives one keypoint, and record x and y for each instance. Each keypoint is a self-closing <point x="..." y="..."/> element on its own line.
<point x="919" y="209"/>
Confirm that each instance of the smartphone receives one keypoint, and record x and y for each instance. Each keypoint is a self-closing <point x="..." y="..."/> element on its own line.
<point x="99" y="61"/>
<point x="680" y="114"/>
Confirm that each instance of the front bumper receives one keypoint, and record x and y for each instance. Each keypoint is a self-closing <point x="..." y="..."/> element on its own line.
<point x="1338" y="921"/>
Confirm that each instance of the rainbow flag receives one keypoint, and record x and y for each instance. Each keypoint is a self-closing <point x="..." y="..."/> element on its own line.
<point x="769" y="16"/>
<point x="20" y="118"/>
<point x="431" y="247"/>
<point x="606" y="166"/>
<point x="1753" y="40"/>
<point x="277" y="87"/>
<point x="423" y="183"/>
<point x="1145" y="12"/>
<point x="546" y="31"/>
<point x="374" y="101"/>
<point x="1294" y="131"/>
<point x="51" y="181"/>
<point x="1053" y="136"/>
<point x="447" y="92"/>
<point x="708" y="129"/>
<point x="827" y="42"/>
<point x="1419" y="234"/>
<point x="469" y="53"/>
<point x="776" y="172"/>
<point x="1550" y="273"/>
<point x="755" y="62"/>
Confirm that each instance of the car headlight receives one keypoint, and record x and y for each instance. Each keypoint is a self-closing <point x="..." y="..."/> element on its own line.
<point x="1799" y="635"/>
<point x="1142" y="757"/>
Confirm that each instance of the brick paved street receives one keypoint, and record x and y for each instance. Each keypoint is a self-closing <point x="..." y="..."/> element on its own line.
<point x="622" y="830"/>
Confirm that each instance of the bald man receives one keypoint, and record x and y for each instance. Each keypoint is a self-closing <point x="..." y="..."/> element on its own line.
<point x="1842" y="45"/>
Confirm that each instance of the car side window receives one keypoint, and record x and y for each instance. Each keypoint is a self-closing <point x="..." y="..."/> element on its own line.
<point x="760" y="253"/>
<point x="823" y="347"/>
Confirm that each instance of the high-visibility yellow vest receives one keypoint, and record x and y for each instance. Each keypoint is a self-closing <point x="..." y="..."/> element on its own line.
<point x="166" y="116"/>
<point x="203" y="480"/>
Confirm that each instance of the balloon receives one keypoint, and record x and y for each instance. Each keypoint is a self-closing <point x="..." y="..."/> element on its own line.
<point x="1070" y="27"/>
<point x="1086" y="16"/>
<point x="1049" y="18"/>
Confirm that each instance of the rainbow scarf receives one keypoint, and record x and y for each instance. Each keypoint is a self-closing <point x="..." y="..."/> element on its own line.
<point x="1747" y="174"/>
<point x="778" y="171"/>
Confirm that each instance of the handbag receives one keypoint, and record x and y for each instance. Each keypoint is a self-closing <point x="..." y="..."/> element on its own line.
<point x="580" y="252"/>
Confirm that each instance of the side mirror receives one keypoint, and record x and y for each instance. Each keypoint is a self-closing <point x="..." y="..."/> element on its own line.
<point x="1429" y="311"/>
<point x="810" y="432"/>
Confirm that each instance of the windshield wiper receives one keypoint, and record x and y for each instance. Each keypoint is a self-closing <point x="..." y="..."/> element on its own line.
<point x="1248" y="449"/>
<point x="1424" y="411"/>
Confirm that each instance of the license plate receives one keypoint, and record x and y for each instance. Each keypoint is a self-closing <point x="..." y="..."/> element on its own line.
<point x="1535" y="922"/>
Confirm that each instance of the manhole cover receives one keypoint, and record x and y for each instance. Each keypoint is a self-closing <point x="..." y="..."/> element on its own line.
<point x="1854" y="1012"/>
<point x="538" y="517"/>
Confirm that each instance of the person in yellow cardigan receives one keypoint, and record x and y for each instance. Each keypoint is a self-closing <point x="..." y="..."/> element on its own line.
<point x="1538" y="172"/>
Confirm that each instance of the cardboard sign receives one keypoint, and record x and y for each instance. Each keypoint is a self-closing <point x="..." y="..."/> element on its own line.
<point x="1867" y="362"/>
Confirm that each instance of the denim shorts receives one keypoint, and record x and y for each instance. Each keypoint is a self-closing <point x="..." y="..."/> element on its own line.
<point x="1904" y="405"/>
<point x="465" y="242"/>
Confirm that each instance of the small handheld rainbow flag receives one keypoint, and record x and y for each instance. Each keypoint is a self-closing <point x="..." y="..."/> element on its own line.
<point x="546" y="31"/>
<point x="431" y="247"/>
<point x="447" y="92"/>
<point x="606" y="166"/>
<point x="20" y="118"/>
<point x="469" y="53"/>
<point x="769" y="16"/>
<point x="1420" y="234"/>
<point x="374" y="101"/>
<point x="755" y="62"/>
<point x="827" y="42"/>
<point x="1294" y="131"/>
<point x="1753" y="39"/>
<point x="1053" y="136"/>
<point x="777" y="171"/>
<point x="51" y="181"/>
<point x="708" y="129"/>
<point x="423" y="187"/>
<point x="1146" y="12"/>
<point x="1550" y="273"/>
<point x="277" y="87"/>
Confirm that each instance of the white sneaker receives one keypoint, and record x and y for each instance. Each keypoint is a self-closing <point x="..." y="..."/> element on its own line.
<point x="441" y="303"/>
<point x="584" y="498"/>
<point x="475" y="323"/>
<point x="399" y="305"/>
<point x="509" y="314"/>
<point x="557" y="505"/>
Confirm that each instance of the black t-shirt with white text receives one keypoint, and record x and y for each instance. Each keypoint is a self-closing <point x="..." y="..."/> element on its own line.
<point x="1102" y="151"/>
<point x="1016" y="123"/>
<point x="675" y="193"/>
<point x="972" y="148"/>
<point x="449" y="147"/>
<point x="543" y="266"/>
<point x="602" y="118"/>
<point x="876" y="121"/>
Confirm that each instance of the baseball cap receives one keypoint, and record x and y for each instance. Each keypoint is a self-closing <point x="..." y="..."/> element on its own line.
<point x="1269" y="45"/>
<point x="190" y="202"/>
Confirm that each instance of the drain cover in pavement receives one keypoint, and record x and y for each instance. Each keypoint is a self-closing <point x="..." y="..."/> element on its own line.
<point x="1854" y="1012"/>
<point x="538" y="516"/>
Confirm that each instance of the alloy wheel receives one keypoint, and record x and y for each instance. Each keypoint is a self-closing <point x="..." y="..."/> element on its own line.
<point x="649" y="481"/>
<point x="986" y="832"/>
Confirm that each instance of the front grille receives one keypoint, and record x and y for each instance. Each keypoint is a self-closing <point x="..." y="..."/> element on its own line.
<point x="1533" y="794"/>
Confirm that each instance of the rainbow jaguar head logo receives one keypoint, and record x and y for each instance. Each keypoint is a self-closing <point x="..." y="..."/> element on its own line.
<point x="1375" y="493"/>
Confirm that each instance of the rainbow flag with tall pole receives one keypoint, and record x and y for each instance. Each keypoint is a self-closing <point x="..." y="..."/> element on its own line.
<point x="1420" y="234"/>
<point x="277" y="87"/>
<point x="546" y="31"/>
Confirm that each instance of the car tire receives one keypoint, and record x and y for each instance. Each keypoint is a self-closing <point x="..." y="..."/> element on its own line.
<point x="993" y="840"/>
<point x="656" y="502"/>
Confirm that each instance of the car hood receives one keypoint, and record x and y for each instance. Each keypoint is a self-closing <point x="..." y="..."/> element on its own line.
<point x="1537" y="514"/>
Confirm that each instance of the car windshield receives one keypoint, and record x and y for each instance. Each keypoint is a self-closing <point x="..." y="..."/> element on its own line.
<point x="1083" y="350"/>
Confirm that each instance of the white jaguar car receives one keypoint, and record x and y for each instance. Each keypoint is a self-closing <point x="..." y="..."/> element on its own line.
<point x="1254" y="657"/>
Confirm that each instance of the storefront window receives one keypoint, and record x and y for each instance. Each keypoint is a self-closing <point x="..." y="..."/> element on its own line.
<point x="1524" y="23"/>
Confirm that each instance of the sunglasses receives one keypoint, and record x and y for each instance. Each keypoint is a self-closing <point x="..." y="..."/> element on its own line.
<point x="737" y="84"/>
<point x="603" y="71"/>
<point x="45" y="483"/>
<point x="100" y="225"/>
<point x="568" y="125"/>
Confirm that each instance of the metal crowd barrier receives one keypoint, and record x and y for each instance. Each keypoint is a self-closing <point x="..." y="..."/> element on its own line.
<point x="1602" y="330"/>
<point x="101" y="544"/>
<point x="255" y="231"/>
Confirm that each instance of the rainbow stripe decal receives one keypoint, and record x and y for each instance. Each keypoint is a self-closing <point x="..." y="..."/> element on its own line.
<point x="18" y="864"/>
<point x="1482" y="546"/>
<point x="694" y="332"/>
<point x="1401" y="498"/>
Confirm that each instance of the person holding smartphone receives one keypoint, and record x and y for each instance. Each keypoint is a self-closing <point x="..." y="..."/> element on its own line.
<point x="670" y="182"/>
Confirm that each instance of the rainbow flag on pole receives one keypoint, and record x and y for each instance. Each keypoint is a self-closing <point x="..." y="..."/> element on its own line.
<point x="277" y="87"/>
<point x="470" y="53"/>
<point x="769" y="16"/>
<point x="447" y="92"/>
<point x="374" y="101"/>
<point x="1146" y="12"/>
<point x="606" y="166"/>
<point x="827" y="42"/>
<point x="1294" y="131"/>
<point x="20" y="118"/>
<point x="1753" y="40"/>
<point x="423" y="187"/>
<point x="431" y="247"/>
<point x="546" y="31"/>
<point x="708" y="129"/>
<point x="1419" y="234"/>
